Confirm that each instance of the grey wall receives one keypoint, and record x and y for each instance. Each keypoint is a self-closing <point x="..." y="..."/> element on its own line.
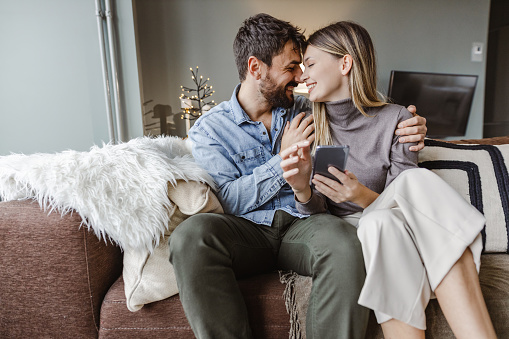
<point x="427" y="36"/>
<point x="51" y="91"/>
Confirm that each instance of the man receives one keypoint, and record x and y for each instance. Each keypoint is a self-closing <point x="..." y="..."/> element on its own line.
<point x="238" y="143"/>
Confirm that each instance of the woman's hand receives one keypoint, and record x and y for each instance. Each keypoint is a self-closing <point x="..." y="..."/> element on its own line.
<point x="299" y="129"/>
<point x="296" y="165"/>
<point x="350" y="189"/>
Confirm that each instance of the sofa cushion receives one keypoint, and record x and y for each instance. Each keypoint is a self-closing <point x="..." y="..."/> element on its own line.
<point x="54" y="274"/>
<point x="479" y="173"/>
<point x="166" y="319"/>
<point x="494" y="279"/>
<point x="149" y="276"/>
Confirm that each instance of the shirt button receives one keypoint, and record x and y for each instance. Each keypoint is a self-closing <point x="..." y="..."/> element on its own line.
<point x="275" y="129"/>
<point x="243" y="157"/>
<point x="264" y="133"/>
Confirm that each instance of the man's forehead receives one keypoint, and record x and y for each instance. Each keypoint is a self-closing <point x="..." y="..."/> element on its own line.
<point x="293" y="48"/>
<point x="289" y="55"/>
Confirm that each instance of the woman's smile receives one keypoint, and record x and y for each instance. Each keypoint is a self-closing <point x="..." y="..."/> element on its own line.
<point x="310" y="86"/>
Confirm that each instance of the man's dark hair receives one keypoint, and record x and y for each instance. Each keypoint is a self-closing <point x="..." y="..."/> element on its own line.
<point x="263" y="37"/>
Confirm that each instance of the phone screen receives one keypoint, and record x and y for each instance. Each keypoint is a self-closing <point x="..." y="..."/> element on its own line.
<point x="326" y="156"/>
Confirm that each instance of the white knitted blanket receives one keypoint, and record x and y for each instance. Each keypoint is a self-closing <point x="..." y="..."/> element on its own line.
<point x="120" y="191"/>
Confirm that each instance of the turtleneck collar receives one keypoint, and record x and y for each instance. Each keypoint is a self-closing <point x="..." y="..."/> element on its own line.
<point x="342" y="112"/>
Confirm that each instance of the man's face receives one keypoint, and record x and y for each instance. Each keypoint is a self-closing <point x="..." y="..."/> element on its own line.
<point x="278" y="81"/>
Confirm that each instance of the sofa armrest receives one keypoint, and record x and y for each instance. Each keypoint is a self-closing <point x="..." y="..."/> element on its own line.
<point x="486" y="141"/>
<point x="54" y="274"/>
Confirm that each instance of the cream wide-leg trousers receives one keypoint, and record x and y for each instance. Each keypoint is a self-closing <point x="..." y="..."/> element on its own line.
<point x="411" y="236"/>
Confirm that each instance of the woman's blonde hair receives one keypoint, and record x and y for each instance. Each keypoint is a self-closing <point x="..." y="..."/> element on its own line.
<point x="340" y="39"/>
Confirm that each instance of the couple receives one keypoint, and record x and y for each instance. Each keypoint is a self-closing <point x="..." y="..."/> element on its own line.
<point x="257" y="148"/>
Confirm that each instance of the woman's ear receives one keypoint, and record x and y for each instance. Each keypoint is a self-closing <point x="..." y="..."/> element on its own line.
<point x="254" y="66"/>
<point x="346" y="64"/>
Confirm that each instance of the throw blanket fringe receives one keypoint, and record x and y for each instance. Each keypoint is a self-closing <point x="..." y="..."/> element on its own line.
<point x="289" y="296"/>
<point x="120" y="191"/>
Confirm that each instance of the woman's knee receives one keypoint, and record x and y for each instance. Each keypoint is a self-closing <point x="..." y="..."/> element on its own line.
<point x="416" y="175"/>
<point x="382" y="226"/>
<point x="374" y="221"/>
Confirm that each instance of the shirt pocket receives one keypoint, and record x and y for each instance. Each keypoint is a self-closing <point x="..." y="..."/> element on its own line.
<point x="244" y="158"/>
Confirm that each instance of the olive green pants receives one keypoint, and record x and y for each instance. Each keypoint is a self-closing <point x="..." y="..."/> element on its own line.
<point x="210" y="251"/>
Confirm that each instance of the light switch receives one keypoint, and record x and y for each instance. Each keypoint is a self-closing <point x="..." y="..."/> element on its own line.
<point x="477" y="51"/>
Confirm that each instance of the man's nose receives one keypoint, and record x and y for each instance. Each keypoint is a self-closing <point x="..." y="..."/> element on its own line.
<point x="302" y="77"/>
<point x="298" y="75"/>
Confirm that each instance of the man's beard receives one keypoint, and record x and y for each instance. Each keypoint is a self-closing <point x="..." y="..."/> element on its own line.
<point x="276" y="96"/>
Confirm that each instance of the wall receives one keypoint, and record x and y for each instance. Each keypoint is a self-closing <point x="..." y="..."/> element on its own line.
<point x="428" y="36"/>
<point x="51" y="90"/>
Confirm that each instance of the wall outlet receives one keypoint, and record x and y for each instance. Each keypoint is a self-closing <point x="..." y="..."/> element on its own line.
<point x="477" y="51"/>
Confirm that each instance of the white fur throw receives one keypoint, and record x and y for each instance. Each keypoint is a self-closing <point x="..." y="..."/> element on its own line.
<point x="120" y="191"/>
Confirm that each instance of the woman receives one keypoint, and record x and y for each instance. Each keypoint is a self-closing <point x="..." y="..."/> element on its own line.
<point x="418" y="235"/>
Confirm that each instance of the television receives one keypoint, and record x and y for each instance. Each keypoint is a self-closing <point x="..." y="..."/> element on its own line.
<point x="445" y="100"/>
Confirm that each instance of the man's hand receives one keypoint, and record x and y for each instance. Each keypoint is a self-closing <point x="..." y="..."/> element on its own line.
<point x="297" y="167"/>
<point x="299" y="129"/>
<point x="413" y="130"/>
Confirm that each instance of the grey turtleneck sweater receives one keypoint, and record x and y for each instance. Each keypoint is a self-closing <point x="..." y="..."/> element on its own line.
<point x="376" y="156"/>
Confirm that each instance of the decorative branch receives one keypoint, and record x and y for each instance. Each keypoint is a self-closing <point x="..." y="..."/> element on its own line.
<point x="194" y="104"/>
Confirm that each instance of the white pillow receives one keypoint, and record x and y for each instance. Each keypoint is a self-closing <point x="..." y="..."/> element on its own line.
<point x="150" y="277"/>
<point x="479" y="173"/>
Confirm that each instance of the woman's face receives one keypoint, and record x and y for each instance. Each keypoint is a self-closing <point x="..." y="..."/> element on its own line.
<point x="323" y="76"/>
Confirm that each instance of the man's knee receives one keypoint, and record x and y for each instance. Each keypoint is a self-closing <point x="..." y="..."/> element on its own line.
<point x="339" y="259"/>
<point x="185" y="239"/>
<point x="334" y="232"/>
<point x="337" y="240"/>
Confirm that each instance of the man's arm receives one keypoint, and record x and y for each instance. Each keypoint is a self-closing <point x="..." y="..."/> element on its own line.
<point x="413" y="130"/>
<point x="239" y="193"/>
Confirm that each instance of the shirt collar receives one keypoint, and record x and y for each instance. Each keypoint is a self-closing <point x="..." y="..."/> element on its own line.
<point x="239" y="115"/>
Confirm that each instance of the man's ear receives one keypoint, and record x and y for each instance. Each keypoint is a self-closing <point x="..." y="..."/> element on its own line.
<point x="254" y="67"/>
<point x="346" y="64"/>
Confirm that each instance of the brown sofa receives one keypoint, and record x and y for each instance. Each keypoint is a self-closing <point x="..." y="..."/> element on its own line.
<point x="59" y="281"/>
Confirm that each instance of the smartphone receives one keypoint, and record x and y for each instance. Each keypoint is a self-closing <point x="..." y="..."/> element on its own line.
<point x="326" y="156"/>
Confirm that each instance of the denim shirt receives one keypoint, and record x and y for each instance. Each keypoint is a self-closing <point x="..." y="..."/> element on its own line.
<point x="237" y="152"/>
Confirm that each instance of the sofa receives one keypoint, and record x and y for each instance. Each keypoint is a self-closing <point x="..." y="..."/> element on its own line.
<point x="59" y="280"/>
